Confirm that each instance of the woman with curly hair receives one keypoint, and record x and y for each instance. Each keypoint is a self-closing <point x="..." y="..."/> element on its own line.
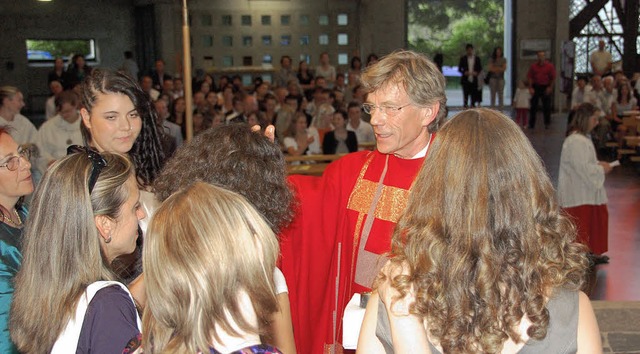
<point x="118" y="116"/>
<point x="483" y="260"/>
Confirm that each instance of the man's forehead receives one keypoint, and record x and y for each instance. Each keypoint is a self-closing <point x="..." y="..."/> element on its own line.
<point x="392" y="91"/>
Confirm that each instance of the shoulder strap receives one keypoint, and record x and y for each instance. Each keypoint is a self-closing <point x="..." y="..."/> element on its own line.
<point x="68" y="339"/>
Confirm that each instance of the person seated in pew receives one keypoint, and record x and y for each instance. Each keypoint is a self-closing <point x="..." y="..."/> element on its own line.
<point x="339" y="140"/>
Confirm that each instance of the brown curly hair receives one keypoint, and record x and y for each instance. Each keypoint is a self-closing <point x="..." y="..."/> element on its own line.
<point x="484" y="237"/>
<point x="239" y="160"/>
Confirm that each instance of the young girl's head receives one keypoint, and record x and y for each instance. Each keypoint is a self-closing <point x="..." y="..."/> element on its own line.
<point x="209" y="259"/>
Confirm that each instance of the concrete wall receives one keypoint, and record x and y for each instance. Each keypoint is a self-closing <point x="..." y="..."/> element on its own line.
<point x="109" y="23"/>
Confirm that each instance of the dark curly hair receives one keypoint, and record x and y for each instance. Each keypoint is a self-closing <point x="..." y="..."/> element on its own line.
<point x="484" y="237"/>
<point x="237" y="159"/>
<point x="146" y="153"/>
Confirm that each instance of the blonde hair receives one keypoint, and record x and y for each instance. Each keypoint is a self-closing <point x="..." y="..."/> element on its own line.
<point x="7" y="92"/>
<point x="484" y="237"/>
<point x="204" y="246"/>
<point x="61" y="247"/>
<point x="418" y="75"/>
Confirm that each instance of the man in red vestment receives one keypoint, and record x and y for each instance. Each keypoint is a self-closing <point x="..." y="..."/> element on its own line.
<point x="345" y="219"/>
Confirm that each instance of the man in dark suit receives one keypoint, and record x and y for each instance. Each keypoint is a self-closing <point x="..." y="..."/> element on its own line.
<point x="470" y="67"/>
<point x="158" y="75"/>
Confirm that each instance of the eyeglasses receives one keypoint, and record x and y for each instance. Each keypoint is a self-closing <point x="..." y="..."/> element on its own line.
<point x="97" y="162"/>
<point x="389" y="111"/>
<point x="13" y="162"/>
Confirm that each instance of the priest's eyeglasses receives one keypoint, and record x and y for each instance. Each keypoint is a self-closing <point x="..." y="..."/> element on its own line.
<point x="389" y="111"/>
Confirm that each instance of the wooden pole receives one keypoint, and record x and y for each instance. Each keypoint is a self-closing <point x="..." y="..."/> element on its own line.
<point x="186" y="52"/>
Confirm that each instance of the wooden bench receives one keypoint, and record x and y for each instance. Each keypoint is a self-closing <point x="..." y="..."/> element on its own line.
<point x="312" y="158"/>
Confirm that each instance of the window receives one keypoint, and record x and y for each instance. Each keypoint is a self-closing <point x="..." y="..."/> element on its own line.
<point x="304" y="40"/>
<point x="227" y="41"/>
<point x="207" y="41"/>
<point x="323" y="20"/>
<point x="247" y="80"/>
<point x="206" y="20"/>
<point x="285" y="40"/>
<point x="227" y="61"/>
<point x="343" y="59"/>
<point x="285" y="20"/>
<point x="343" y="19"/>
<point x="343" y="39"/>
<point x="246" y="20"/>
<point x="247" y="41"/>
<point x="304" y="20"/>
<point x="305" y="57"/>
<point x="267" y="59"/>
<point x="266" y="20"/>
<point x="323" y="39"/>
<point x="226" y="20"/>
<point x="247" y="61"/>
<point x="266" y="40"/>
<point x="42" y="50"/>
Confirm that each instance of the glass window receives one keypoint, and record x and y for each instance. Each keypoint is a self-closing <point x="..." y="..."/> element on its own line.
<point x="266" y="40"/>
<point x="246" y="20"/>
<point x="304" y="40"/>
<point x="323" y="39"/>
<point x="247" y="61"/>
<point x="305" y="57"/>
<point x="343" y="39"/>
<point x="343" y="59"/>
<point x="226" y="20"/>
<point x="247" y="41"/>
<point x="266" y="20"/>
<point x="42" y="50"/>
<point x="285" y="20"/>
<point x="247" y="80"/>
<point x="227" y="60"/>
<point x="285" y="40"/>
<point x="207" y="41"/>
<point x="267" y="59"/>
<point x="227" y="41"/>
<point x="343" y="19"/>
<point x="206" y="20"/>
<point x="304" y="20"/>
<point x="323" y="20"/>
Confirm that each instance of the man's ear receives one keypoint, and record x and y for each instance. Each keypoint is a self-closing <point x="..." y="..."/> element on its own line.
<point x="429" y="113"/>
<point x="105" y="226"/>
<point x="86" y="117"/>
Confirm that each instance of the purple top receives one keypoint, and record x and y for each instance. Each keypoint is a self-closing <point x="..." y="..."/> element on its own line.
<point x="110" y="322"/>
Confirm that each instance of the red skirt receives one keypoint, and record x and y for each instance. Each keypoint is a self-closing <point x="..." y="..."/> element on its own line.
<point x="592" y="222"/>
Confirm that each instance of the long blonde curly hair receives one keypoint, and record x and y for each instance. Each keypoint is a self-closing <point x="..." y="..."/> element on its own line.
<point x="484" y="237"/>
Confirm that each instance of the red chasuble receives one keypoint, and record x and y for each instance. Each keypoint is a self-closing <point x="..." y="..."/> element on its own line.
<point x="323" y="257"/>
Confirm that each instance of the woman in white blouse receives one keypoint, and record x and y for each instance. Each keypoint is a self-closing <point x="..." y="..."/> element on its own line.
<point x="581" y="189"/>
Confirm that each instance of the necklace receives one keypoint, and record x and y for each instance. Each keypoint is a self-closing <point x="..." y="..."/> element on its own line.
<point x="10" y="221"/>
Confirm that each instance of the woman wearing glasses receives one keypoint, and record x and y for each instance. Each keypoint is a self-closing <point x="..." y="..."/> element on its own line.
<point x="15" y="183"/>
<point x="84" y="214"/>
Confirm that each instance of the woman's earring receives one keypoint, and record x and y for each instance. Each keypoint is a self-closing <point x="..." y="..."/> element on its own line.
<point x="108" y="239"/>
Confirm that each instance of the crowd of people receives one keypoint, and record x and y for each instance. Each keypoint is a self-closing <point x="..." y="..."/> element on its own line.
<point x="135" y="241"/>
